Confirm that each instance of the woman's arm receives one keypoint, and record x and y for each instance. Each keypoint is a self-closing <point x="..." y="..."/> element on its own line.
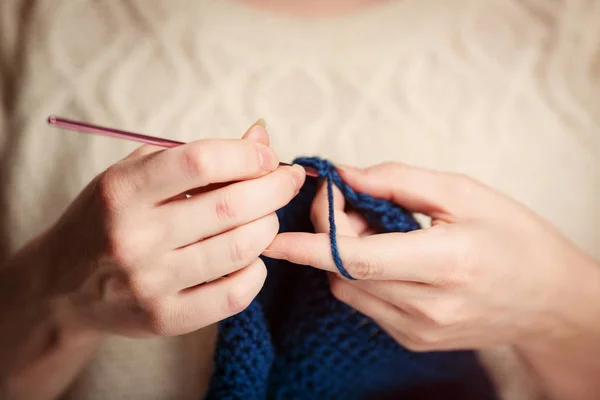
<point x="43" y="347"/>
<point x="569" y="368"/>
<point x="41" y="351"/>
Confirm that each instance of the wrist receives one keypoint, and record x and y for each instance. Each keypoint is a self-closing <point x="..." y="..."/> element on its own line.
<point x="566" y="359"/>
<point x="42" y="341"/>
<point x="29" y="285"/>
<point x="574" y="316"/>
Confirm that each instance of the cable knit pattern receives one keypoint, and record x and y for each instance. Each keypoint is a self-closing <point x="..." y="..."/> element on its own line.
<point x="296" y="341"/>
<point x="503" y="90"/>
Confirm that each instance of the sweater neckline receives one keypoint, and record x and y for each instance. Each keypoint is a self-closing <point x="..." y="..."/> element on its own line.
<point x="367" y="12"/>
<point x="344" y="35"/>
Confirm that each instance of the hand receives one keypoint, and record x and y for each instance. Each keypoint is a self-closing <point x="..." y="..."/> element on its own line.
<point x="488" y="272"/>
<point x="133" y="253"/>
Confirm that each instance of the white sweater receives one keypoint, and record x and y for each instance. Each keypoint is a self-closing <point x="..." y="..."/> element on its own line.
<point x="507" y="91"/>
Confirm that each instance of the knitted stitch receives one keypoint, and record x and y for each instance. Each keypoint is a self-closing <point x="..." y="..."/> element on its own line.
<point x="296" y="341"/>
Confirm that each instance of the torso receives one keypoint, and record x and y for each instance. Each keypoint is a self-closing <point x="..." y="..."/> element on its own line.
<point x="504" y="91"/>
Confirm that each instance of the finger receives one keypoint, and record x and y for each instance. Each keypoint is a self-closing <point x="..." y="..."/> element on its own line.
<point x="364" y="302"/>
<point x="404" y="295"/>
<point x="219" y="255"/>
<point x="319" y="214"/>
<point x="258" y="133"/>
<point x="212" y="302"/>
<point x="418" y="337"/>
<point x="417" y="256"/>
<point x="162" y="175"/>
<point x="396" y="322"/>
<point x="190" y="220"/>
<point x="440" y="195"/>
<point x="395" y="333"/>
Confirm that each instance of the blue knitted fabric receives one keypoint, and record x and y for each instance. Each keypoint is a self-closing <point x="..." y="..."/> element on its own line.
<point x="296" y="341"/>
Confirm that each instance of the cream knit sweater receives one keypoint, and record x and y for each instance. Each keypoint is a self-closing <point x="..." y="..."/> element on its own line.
<point x="507" y="91"/>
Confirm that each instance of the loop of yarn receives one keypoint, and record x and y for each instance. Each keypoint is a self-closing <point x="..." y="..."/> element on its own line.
<point x="335" y="252"/>
<point x="381" y="213"/>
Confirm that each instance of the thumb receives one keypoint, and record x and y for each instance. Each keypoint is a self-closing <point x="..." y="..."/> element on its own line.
<point x="442" y="196"/>
<point x="258" y="132"/>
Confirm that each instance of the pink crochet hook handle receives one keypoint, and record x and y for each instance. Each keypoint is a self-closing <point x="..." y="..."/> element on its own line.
<point x="85" y="127"/>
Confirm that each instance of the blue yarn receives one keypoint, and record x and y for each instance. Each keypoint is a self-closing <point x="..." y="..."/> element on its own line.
<point x="296" y="341"/>
<point x="335" y="252"/>
<point x="380" y="213"/>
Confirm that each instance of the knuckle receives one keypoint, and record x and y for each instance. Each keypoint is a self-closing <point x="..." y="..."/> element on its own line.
<point x="225" y="207"/>
<point x="415" y="308"/>
<point x="364" y="269"/>
<point x="438" y="318"/>
<point x="443" y="314"/>
<point x="126" y="247"/>
<point x="422" y="340"/>
<point x="238" y="299"/>
<point x="120" y="249"/>
<point x="465" y="185"/>
<point x="110" y="188"/>
<point x="197" y="163"/>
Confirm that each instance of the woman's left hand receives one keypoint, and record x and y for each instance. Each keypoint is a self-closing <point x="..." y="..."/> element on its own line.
<point x="488" y="272"/>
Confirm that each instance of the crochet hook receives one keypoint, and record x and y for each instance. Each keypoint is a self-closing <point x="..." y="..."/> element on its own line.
<point x="85" y="127"/>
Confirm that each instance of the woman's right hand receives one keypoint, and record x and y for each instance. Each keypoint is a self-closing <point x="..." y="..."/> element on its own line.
<point x="133" y="254"/>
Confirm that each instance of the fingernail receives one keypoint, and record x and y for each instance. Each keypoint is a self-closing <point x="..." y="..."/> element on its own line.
<point x="299" y="174"/>
<point x="260" y="122"/>
<point x="268" y="158"/>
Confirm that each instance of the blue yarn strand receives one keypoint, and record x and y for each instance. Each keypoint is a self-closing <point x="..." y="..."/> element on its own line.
<point x="335" y="252"/>
<point x="380" y="213"/>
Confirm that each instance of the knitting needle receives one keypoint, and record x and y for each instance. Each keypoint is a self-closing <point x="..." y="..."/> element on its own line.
<point x="85" y="127"/>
